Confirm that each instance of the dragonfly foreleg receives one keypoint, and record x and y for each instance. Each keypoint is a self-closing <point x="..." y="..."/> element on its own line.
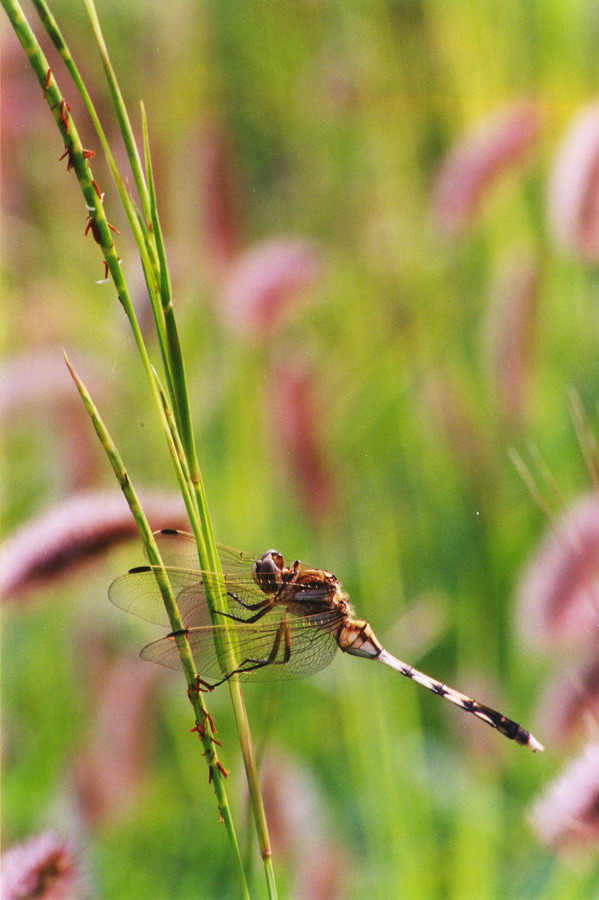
<point x="266" y="607"/>
<point x="251" y="606"/>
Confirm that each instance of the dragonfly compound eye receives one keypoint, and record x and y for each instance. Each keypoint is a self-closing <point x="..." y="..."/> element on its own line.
<point x="268" y="570"/>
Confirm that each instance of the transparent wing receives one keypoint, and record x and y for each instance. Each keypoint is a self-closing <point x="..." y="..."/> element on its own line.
<point x="303" y="646"/>
<point x="178" y="549"/>
<point x="237" y="562"/>
<point x="138" y="593"/>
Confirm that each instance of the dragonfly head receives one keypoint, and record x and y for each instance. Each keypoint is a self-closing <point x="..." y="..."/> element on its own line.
<point x="268" y="571"/>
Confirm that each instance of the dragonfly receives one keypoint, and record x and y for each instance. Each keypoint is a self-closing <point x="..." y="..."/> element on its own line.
<point x="286" y="622"/>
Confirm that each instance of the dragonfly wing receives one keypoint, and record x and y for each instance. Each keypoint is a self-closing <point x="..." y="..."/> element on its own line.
<point x="313" y="646"/>
<point x="138" y="593"/>
<point x="178" y="549"/>
<point x="165" y="652"/>
<point x="303" y="646"/>
<point x="236" y="563"/>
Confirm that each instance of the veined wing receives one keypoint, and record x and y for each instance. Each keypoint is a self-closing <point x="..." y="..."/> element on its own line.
<point x="137" y="592"/>
<point x="282" y="648"/>
<point x="178" y="549"/>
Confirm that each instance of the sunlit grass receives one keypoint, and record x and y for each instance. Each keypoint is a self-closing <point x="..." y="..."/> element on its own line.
<point x="336" y="129"/>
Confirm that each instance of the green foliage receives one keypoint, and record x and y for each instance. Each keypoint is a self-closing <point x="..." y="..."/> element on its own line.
<point x="337" y="117"/>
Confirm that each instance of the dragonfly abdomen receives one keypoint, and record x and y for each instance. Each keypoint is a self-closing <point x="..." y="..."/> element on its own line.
<point x="358" y="639"/>
<point x="497" y="720"/>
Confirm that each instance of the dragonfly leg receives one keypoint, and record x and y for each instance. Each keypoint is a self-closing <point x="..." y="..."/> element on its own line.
<point x="248" y="621"/>
<point x="250" y="606"/>
<point x="287" y="652"/>
<point x="200" y="686"/>
<point x="250" y="664"/>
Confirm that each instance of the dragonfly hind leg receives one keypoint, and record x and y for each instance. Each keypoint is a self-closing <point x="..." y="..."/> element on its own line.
<point x="251" y="664"/>
<point x="200" y="686"/>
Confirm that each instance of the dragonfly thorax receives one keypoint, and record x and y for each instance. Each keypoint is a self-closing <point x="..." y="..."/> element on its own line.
<point x="314" y="591"/>
<point x="305" y="591"/>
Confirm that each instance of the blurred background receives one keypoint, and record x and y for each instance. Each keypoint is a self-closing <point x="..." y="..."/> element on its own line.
<point x="382" y="220"/>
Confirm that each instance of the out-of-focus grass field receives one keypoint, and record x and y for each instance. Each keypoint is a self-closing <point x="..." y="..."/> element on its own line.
<point x="336" y="117"/>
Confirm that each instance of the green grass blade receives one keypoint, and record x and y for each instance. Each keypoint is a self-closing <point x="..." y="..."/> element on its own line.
<point x="227" y="650"/>
<point x="120" y="110"/>
<point x="217" y="775"/>
<point x="136" y="221"/>
<point x="103" y="236"/>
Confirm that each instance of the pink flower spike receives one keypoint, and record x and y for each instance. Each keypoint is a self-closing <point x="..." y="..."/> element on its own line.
<point x="294" y="806"/>
<point x="566" y="816"/>
<point x="74" y="532"/>
<point x="573" y="194"/>
<point x="39" y="377"/>
<point x="110" y="769"/>
<point x="221" y="198"/>
<point x="446" y="404"/>
<point x="42" y="867"/>
<point x="262" y="287"/>
<point x="558" y="596"/>
<point x="511" y="332"/>
<point x="297" y="427"/>
<point x="476" y="161"/>
<point x="37" y="383"/>
<point x="570" y="706"/>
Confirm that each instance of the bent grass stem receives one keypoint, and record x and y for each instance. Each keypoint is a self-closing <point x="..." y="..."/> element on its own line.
<point x="217" y="773"/>
<point x="154" y="263"/>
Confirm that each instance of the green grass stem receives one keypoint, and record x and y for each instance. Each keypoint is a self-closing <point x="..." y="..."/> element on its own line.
<point x="121" y="111"/>
<point x="139" y="228"/>
<point x="217" y="773"/>
<point x="171" y="353"/>
<point x="227" y="652"/>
